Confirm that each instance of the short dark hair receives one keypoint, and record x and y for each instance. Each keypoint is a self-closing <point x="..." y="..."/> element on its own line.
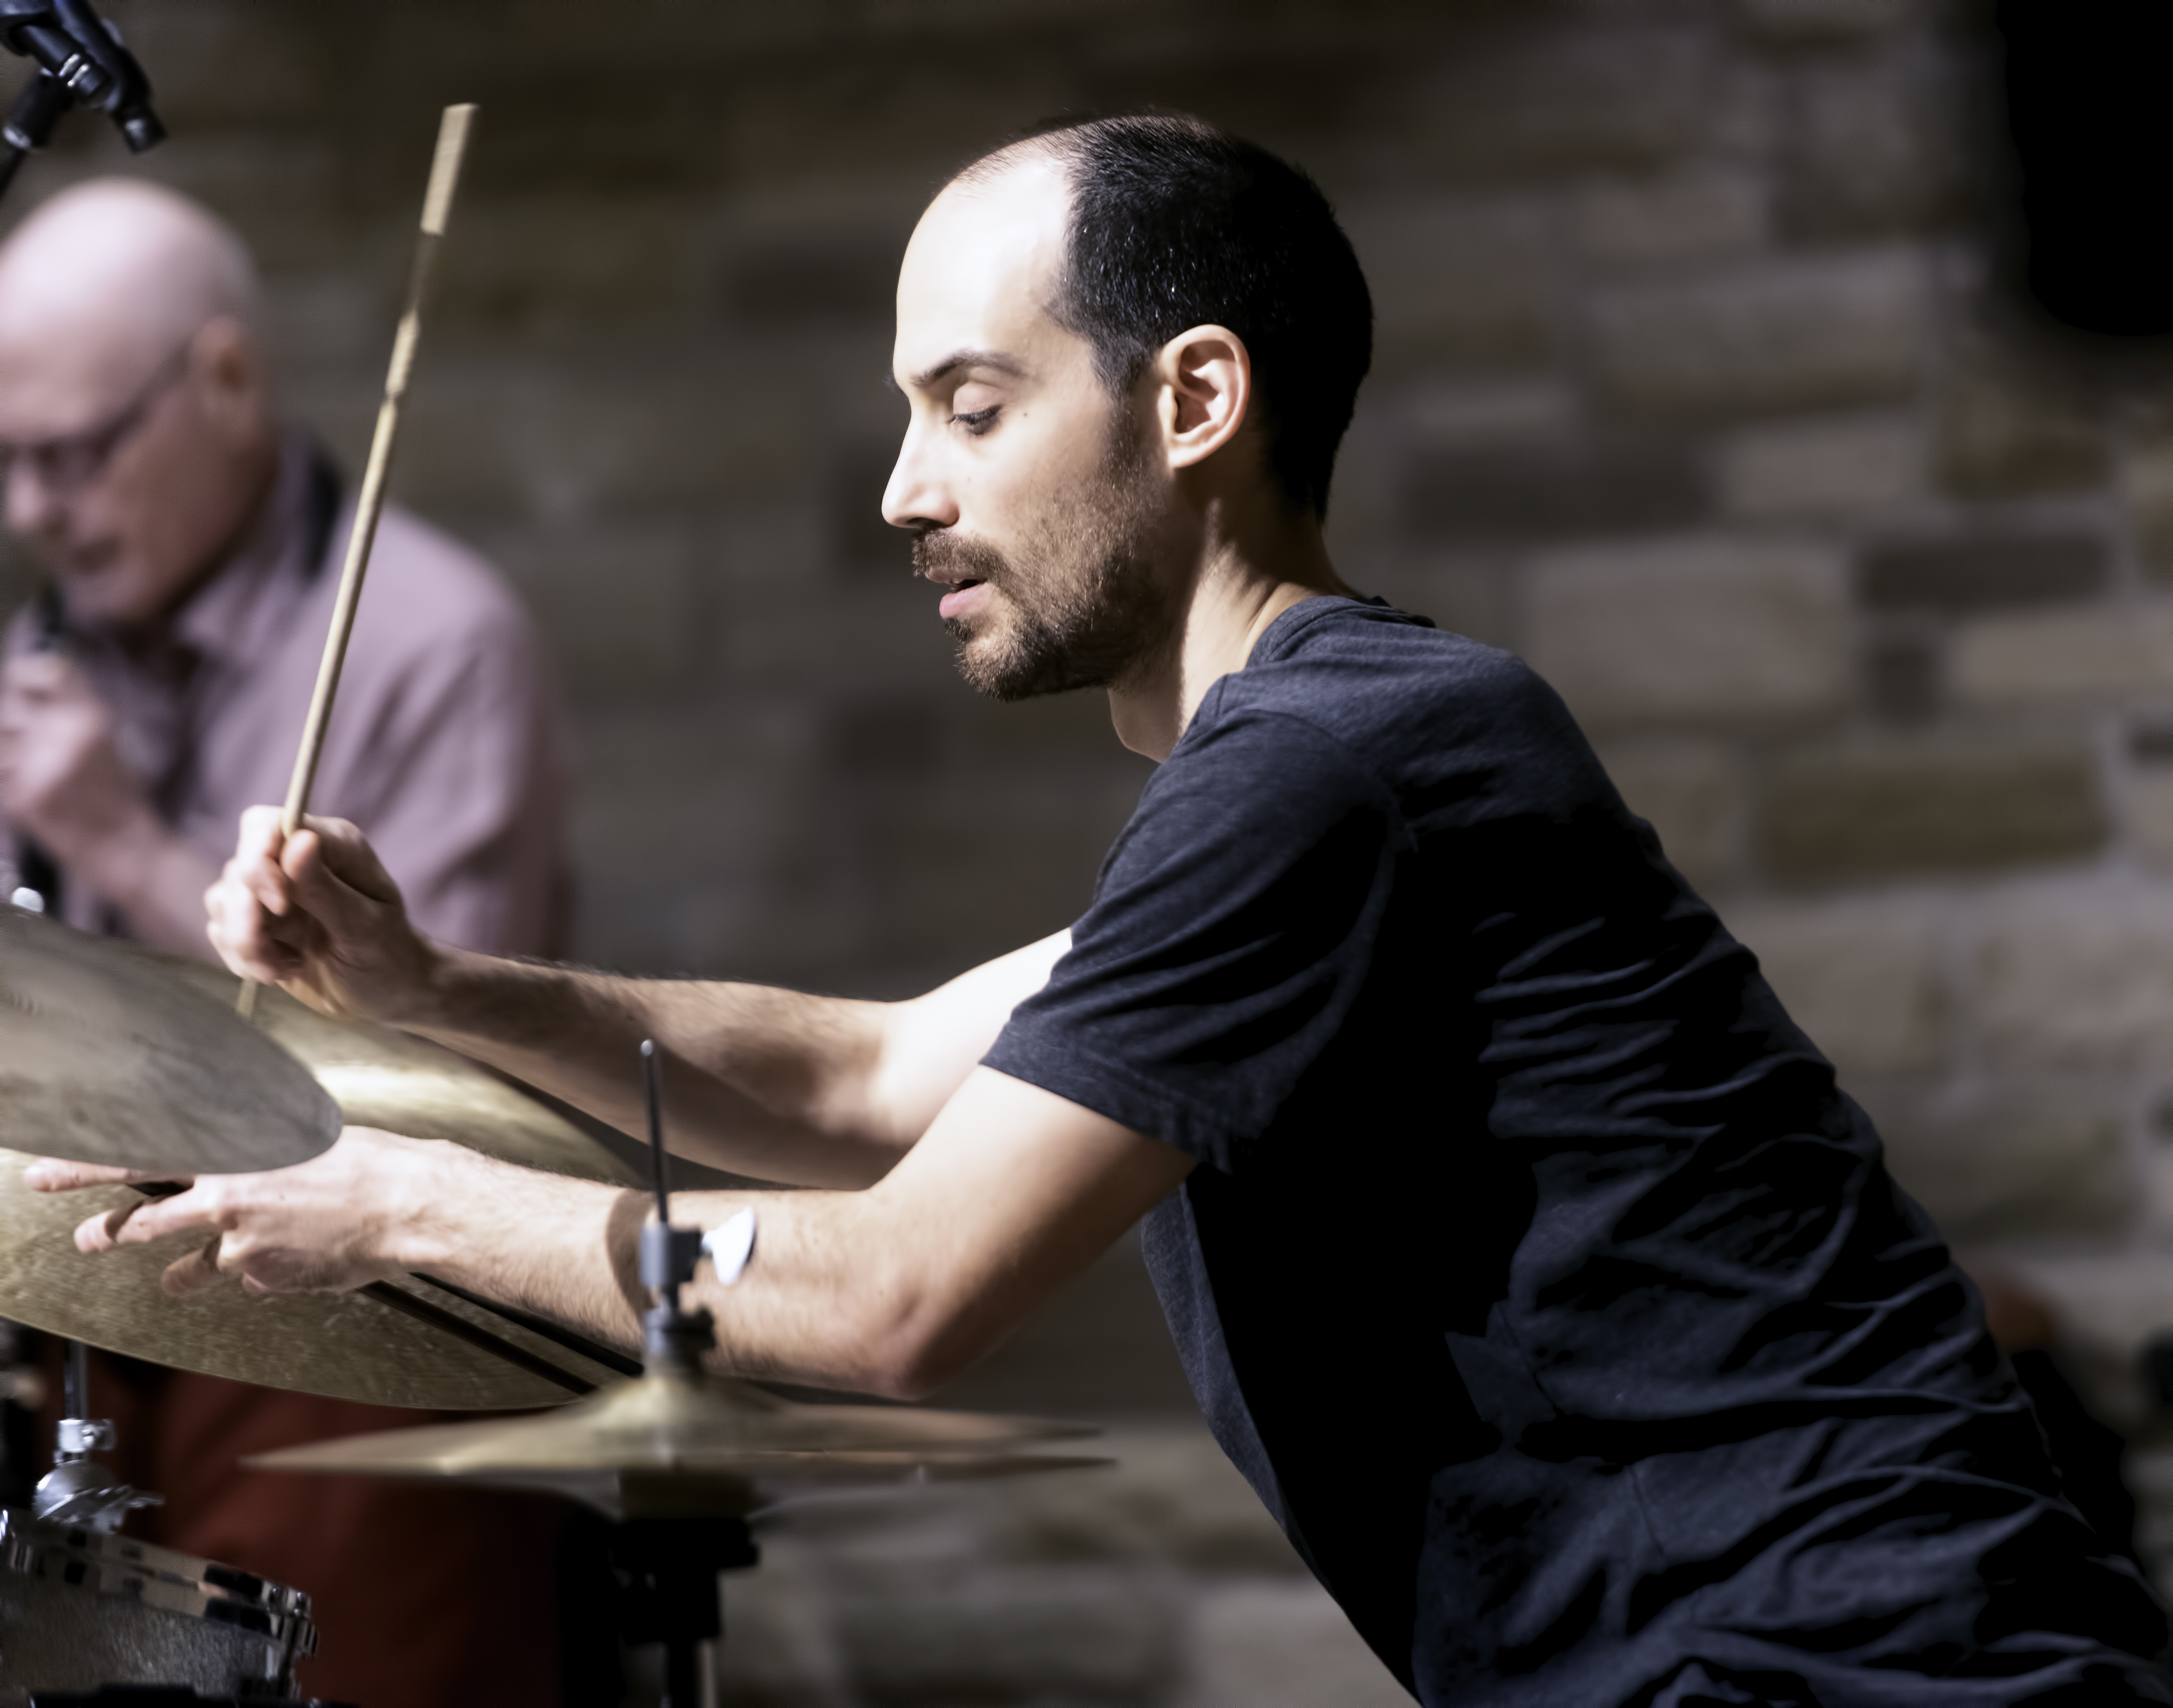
<point x="1176" y="223"/>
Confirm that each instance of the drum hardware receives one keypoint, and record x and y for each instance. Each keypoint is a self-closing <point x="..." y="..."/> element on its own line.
<point x="79" y="1490"/>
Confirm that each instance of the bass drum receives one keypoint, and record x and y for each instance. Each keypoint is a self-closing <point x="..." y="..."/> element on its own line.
<point x="80" y="1609"/>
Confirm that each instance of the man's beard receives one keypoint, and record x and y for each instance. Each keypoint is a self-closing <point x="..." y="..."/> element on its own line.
<point x="1079" y="606"/>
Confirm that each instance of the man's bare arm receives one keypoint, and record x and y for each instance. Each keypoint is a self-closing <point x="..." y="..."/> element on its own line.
<point x="803" y="1090"/>
<point x="770" y="1083"/>
<point x="890" y="1291"/>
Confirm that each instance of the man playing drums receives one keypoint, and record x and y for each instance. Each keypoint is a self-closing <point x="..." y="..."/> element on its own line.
<point x="191" y="539"/>
<point x="1522" y="1254"/>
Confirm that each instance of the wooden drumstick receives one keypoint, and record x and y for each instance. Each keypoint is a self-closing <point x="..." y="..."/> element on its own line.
<point x="437" y="208"/>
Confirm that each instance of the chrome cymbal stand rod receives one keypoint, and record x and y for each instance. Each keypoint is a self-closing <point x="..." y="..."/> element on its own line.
<point x="673" y="1339"/>
<point x="666" y="1568"/>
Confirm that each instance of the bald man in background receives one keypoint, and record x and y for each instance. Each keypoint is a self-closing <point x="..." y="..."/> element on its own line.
<point x="158" y="687"/>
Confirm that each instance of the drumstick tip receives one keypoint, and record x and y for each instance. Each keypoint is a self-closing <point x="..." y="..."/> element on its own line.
<point x="453" y="127"/>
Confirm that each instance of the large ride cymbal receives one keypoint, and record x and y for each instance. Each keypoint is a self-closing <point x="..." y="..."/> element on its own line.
<point x="107" y="1057"/>
<point x="111" y="1054"/>
<point x="346" y="1345"/>
<point x="661" y="1447"/>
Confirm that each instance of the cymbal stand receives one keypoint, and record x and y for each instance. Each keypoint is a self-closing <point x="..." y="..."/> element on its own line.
<point x="79" y="1490"/>
<point x="666" y="1568"/>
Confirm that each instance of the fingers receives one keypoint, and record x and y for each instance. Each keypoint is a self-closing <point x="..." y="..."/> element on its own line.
<point x="208" y="1266"/>
<point x="253" y="893"/>
<point x="156" y="1218"/>
<point x="196" y="1272"/>
<point x="59" y="1174"/>
<point x="284" y="900"/>
<point x="102" y="1232"/>
<point x="255" y="865"/>
<point x="139" y="1224"/>
<point x="241" y="931"/>
<point x="337" y="879"/>
<point x="346" y="854"/>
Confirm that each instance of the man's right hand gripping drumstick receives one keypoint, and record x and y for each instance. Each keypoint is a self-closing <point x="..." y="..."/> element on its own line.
<point x="317" y="913"/>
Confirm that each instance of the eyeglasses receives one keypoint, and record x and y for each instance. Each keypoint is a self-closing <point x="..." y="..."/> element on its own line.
<point x="71" y="462"/>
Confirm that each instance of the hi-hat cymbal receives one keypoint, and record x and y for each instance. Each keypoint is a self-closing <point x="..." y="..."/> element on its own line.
<point x="659" y="1447"/>
<point x="107" y="1057"/>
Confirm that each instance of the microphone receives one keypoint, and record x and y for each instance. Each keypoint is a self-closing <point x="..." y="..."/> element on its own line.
<point x="80" y="61"/>
<point x="37" y="881"/>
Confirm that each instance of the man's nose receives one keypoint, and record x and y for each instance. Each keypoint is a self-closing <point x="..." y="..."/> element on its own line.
<point x="918" y="497"/>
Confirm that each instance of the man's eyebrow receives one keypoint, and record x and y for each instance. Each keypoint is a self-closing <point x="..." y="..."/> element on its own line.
<point x="963" y="359"/>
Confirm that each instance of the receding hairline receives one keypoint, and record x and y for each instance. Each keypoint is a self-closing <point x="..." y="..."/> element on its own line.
<point x="1063" y="142"/>
<point x="130" y="246"/>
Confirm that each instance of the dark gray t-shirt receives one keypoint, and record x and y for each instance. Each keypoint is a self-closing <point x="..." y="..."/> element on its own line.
<point x="1536" y="1274"/>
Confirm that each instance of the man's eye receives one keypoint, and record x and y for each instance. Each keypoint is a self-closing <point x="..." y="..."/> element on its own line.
<point x="979" y="421"/>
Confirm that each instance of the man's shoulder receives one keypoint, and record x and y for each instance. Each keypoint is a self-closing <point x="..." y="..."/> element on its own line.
<point x="437" y="622"/>
<point x="1379" y="679"/>
<point x="433" y="594"/>
<point x="451" y="580"/>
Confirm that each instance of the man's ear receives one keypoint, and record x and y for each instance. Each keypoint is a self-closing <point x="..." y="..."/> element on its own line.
<point x="1204" y="381"/>
<point x="227" y="356"/>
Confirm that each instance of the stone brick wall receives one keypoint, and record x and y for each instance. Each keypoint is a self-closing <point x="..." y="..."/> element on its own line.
<point x="1696" y="384"/>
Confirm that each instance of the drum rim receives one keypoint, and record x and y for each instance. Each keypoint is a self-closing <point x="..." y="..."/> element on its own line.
<point x="162" y="1579"/>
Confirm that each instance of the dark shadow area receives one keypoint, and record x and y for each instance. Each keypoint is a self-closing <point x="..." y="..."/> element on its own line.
<point x="2092" y="131"/>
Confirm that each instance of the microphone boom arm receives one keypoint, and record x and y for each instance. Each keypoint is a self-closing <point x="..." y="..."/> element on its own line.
<point x="80" y="61"/>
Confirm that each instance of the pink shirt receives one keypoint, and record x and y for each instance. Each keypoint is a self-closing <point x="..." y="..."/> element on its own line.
<point x="447" y="742"/>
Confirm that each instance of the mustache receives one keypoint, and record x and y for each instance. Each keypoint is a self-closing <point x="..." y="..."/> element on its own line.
<point x="959" y="557"/>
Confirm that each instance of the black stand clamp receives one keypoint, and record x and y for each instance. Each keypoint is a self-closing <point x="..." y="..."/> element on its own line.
<point x="80" y="61"/>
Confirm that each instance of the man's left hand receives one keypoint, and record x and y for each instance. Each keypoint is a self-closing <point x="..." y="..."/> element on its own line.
<point x="321" y="1227"/>
<point x="62" y="778"/>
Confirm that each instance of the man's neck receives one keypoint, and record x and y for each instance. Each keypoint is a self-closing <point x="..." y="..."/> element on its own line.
<point x="258" y="490"/>
<point x="1246" y="578"/>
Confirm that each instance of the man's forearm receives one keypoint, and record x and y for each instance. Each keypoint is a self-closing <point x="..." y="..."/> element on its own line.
<point x="805" y="1091"/>
<point x="810" y="1311"/>
<point x="764" y="1082"/>
<point x="889" y="1291"/>
<point x="801" y="1089"/>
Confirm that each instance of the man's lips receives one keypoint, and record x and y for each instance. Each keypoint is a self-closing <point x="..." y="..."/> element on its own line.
<point x="962" y="598"/>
